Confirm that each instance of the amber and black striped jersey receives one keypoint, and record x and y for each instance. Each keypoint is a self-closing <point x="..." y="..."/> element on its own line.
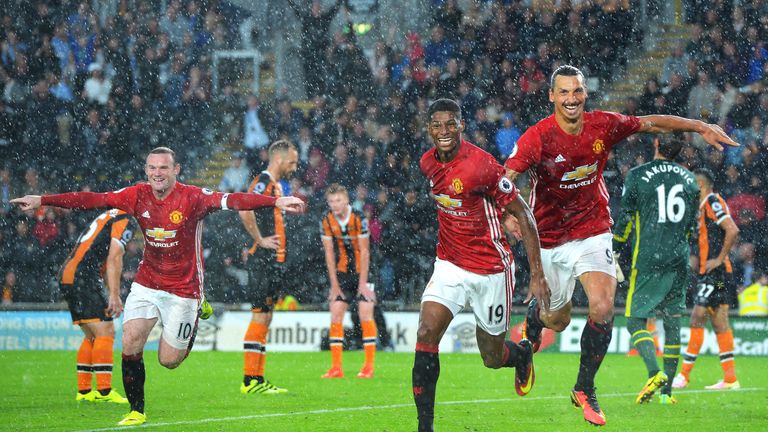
<point x="269" y="219"/>
<point x="346" y="235"/>
<point x="712" y="212"/>
<point x="89" y="257"/>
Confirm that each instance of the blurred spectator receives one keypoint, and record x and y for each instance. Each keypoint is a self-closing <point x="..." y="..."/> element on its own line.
<point x="314" y="39"/>
<point x="255" y="136"/>
<point x="9" y="286"/>
<point x="46" y="228"/>
<point x="675" y="63"/>
<point x="97" y="87"/>
<point x="237" y="177"/>
<point x="507" y="136"/>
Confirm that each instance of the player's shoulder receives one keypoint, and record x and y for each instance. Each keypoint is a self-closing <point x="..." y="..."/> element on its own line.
<point x="542" y="127"/>
<point x="260" y="183"/>
<point x="427" y="159"/>
<point x="714" y="199"/>
<point x="358" y="213"/>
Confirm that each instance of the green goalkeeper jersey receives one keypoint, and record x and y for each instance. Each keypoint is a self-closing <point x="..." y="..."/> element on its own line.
<point x="660" y="201"/>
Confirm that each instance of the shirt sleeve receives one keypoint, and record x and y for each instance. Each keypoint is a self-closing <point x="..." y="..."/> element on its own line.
<point x="497" y="185"/>
<point x="123" y="199"/>
<point x="325" y="229"/>
<point x="621" y="126"/>
<point x="364" y="232"/>
<point x="211" y="201"/>
<point x="719" y="208"/>
<point x="526" y="153"/>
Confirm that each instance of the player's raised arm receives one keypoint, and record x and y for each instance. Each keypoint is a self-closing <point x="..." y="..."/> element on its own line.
<point x="713" y="134"/>
<point x="538" y="287"/>
<point x="251" y="201"/>
<point x="70" y="200"/>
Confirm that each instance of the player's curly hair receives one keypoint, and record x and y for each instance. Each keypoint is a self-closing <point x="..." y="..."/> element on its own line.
<point x="444" y="104"/>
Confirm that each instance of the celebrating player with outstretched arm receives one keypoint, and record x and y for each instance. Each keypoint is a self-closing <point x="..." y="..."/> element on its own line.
<point x="474" y="262"/>
<point x="565" y="154"/>
<point x="169" y="282"/>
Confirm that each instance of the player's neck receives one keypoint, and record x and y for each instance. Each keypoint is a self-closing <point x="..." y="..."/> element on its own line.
<point x="161" y="195"/>
<point x="571" y="127"/>
<point x="274" y="173"/>
<point x="446" y="157"/>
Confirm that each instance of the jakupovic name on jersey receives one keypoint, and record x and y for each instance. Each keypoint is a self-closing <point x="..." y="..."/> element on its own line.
<point x="664" y="168"/>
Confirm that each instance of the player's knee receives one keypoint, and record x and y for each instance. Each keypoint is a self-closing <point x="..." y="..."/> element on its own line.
<point x="560" y="324"/>
<point x="602" y="310"/>
<point x="171" y="363"/>
<point x="427" y="333"/>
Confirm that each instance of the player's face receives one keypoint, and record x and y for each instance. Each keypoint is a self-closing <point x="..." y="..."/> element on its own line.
<point x="289" y="163"/>
<point x="569" y="95"/>
<point x="161" y="172"/>
<point x="338" y="203"/>
<point x="445" y="129"/>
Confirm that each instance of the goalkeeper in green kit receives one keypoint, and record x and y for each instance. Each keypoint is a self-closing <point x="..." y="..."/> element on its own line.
<point x="660" y="200"/>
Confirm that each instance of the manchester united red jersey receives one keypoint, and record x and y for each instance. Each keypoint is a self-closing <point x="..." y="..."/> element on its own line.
<point x="172" y="229"/>
<point x="470" y="191"/>
<point x="568" y="196"/>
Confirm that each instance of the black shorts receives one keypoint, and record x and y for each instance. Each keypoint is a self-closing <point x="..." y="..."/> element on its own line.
<point x="265" y="277"/>
<point x="714" y="289"/>
<point x="87" y="300"/>
<point x="348" y="282"/>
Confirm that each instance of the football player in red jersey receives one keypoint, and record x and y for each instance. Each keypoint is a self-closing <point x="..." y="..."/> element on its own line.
<point x="565" y="154"/>
<point x="474" y="263"/>
<point x="169" y="282"/>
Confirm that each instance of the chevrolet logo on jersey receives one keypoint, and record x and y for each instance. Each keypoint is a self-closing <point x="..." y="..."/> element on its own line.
<point x="160" y="234"/>
<point x="579" y="173"/>
<point x="447" y="202"/>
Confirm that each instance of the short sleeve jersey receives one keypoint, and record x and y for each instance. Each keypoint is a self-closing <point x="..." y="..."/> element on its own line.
<point x="346" y="235"/>
<point x="269" y="219"/>
<point x="470" y="192"/>
<point x="660" y="200"/>
<point x="569" y="196"/>
<point x="88" y="258"/>
<point x="172" y="229"/>
<point x="712" y="212"/>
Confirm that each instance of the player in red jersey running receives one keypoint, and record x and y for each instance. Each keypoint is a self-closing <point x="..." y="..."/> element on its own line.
<point x="474" y="263"/>
<point x="169" y="282"/>
<point x="565" y="154"/>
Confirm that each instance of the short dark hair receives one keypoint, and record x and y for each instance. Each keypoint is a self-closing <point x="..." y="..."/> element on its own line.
<point x="707" y="174"/>
<point x="164" y="150"/>
<point x="444" y="104"/>
<point x="670" y="148"/>
<point x="281" y="146"/>
<point x="565" y="70"/>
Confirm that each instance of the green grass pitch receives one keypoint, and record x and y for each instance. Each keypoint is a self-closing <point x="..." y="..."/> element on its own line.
<point x="202" y="395"/>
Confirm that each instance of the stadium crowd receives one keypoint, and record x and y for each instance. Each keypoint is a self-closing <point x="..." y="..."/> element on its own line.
<point x="85" y="91"/>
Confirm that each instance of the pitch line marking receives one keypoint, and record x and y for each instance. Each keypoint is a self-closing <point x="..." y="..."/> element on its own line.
<point x="393" y="406"/>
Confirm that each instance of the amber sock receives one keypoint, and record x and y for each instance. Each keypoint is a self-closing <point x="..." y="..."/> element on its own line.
<point x="85" y="366"/>
<point x="692" y="352"/>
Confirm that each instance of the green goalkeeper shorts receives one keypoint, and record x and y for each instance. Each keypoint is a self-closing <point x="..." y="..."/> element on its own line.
<point x="653" y="292"/>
